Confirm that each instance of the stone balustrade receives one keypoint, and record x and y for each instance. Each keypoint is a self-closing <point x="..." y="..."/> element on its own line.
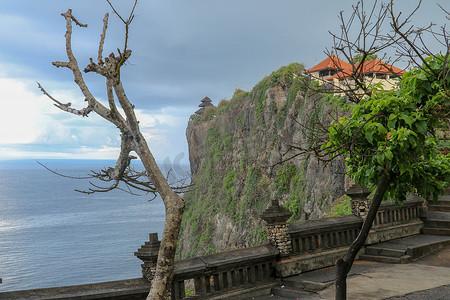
<point x="390" y="214"/>
<point x="323" y="234"/>
<point x="246" y="270"/>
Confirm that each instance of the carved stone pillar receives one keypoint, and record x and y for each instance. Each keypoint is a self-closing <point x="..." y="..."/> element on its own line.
<point x="359" y="202"/>
<point x="148" y="253"/>
<point x="277" y="228"/>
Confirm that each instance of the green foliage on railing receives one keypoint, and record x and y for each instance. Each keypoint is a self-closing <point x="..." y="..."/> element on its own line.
<point x="342" y="207"/>
<point x="291" y="180"/>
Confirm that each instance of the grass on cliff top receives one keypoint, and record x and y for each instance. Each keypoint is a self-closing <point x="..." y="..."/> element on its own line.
<point x="285" y="77"/>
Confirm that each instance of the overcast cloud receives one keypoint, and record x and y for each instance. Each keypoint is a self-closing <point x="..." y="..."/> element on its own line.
<point x="182" y="51"/>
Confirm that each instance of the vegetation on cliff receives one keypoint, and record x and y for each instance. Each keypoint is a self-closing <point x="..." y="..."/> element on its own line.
<point x="235" y="152"/>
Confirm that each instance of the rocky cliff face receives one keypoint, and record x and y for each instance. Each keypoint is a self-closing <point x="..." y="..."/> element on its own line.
<point x="236" y="152"/>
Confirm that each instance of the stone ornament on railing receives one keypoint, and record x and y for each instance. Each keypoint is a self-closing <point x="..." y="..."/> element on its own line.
<point x="359" y="202"/>
<point x="148" y="253"/>
<point x="277" y="228"/>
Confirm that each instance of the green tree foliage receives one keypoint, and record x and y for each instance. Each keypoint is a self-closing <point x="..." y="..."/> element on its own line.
<point x="394" y="132"/>
<point x="360" y="57"/>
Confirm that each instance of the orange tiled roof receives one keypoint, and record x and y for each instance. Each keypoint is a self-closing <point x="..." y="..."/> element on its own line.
<point x="331" y="62"/>
<point x="372" y="66"/>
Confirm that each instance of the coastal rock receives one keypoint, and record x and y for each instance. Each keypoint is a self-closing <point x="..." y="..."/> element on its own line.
<point x="236" y="162"/>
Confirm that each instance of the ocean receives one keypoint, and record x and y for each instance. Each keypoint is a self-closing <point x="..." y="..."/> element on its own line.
<point x="51" y="235"/>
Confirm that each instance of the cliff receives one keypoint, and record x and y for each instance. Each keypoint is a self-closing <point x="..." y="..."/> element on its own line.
<point x="235" y="150"/>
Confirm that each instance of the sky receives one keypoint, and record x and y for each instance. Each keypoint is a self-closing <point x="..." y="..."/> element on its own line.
<point x="182" y="52"/>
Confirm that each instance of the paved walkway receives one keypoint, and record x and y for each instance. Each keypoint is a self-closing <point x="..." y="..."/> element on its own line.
<point x="427" y="278"/>
<point x="382" y="281"/>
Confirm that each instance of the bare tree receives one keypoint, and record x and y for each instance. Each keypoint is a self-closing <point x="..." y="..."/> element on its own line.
<point x="132" y="140"/>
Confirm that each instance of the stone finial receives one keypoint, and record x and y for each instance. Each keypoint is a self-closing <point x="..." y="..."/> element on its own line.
<point x="357" y="191"/>
<point x="277" y="229"/>
<point x="359" y="202"/>
<point x="148" y="253"/>
<point x="275" y="214"/>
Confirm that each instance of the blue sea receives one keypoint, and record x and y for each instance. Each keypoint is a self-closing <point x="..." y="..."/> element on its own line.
<point x="51" y="235"/>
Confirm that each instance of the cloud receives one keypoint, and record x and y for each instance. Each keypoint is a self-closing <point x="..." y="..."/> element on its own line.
<point x="29" y="29"/>
<point x="31" y="127"/>
<point x="104" y="152"/>
<point x="20" y="110"/>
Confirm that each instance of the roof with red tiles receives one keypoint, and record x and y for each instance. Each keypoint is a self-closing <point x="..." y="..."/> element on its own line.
<point x="331" y="62"/>
<point x="371" y="66"/>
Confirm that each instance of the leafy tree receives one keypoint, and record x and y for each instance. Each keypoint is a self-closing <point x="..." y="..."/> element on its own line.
<point x="389" y="138"/>
<point x="389" y="141"/>
<point x="360" y="57"/>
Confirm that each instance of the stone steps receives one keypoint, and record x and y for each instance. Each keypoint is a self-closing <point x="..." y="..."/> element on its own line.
<point x="444" y="199"/>
<point x="436" y="231"/>
<point x="439" y="207"/>
<point x="292" y="293"/>
<point x="438" y="220"/>
<point x="406" y="249"/>
<point x="306" y="285"/>
<point x="438" y="215"/>
<point x="297" y="288"/>
<point x="437" y="223"/>
<point x="387" y="259"/>
<point x="387" y="252"/>
<point x="378" y="251"/>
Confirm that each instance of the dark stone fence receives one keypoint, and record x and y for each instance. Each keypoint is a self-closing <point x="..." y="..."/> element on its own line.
<point x="323" y="234"/>
<point x="132" y="289"/>
<point x="390" y="214"/>
<point x="239" y="270"/>
<point x="393" y="221"/>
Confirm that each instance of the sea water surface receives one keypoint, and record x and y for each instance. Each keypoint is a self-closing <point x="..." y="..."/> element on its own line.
<point x="51" y="235"/>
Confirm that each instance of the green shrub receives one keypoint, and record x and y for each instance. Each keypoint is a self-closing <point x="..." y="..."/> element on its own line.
<point x="342" y="207"/>
<point x="285" y="75"/>
<point x="209" y="113"/>
<point x="223" y="106"/>
<point x="290" y="180"/>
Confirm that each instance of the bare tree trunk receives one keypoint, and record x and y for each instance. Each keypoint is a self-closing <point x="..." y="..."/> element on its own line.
<point x="162" y="282"/>
<point x="344" y="265"/>
<point x="132" y="140"/>
<point x="173" y="203"/>
<point x="174" y="207"/>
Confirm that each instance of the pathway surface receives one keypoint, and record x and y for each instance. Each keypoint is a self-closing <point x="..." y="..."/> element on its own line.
<point x="426" y="278"/>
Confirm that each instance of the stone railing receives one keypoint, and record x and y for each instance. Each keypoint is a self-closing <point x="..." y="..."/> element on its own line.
<point x="323" y="234"/>
<point x="225" y="272"/>
<point x="129" y="289"/>
<point x="390" y="214"/>
<point x="238" y="274"/>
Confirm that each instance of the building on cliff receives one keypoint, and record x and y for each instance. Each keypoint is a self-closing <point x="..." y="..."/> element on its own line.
<point x="205" y="102"/>
<point x="326" y="68"/>
<point x="338" y="74"/>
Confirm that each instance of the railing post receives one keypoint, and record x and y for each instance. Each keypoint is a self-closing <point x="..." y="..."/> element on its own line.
<point x="359" y="202"/>
<point x="277" y="228"/>
<point x="148" y="253"/>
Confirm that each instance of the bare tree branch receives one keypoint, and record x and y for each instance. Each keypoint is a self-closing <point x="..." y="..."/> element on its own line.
<point x="102" y="40"/>
<point x="67" y="106"/>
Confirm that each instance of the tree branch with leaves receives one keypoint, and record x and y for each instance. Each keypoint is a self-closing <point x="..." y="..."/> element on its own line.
<point x="388" y="137"/>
